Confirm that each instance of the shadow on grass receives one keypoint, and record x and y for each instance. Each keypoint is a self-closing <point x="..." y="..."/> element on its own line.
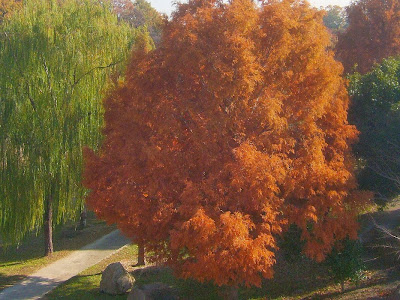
<point x="302" y="279"/>
<point x="186" y="289"/>
<point x="9" y="264"/>
<point x="82" y="287"/>
<point x="28" y="256"/>
<point x="290" y="280"/>
<point x="348" y="291"/>
<point x="7" y="281"/>
<point x="65" y="237"/>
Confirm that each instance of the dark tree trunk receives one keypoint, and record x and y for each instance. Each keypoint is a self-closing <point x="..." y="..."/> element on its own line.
<point x="141" y="261"/>
<point x="83" y="219"/>
<point x="48" y="227"/>
<point x="342" y="286"/>
<point x="229" y="293"/>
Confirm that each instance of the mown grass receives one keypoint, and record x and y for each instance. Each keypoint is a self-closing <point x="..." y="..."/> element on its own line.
<point x="85" y="286"/>
<point x="302" y="279"/>
<point x="292" y="281"/>
<point x="18" y="262"/>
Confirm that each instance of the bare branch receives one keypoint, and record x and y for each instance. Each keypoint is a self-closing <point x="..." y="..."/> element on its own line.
<point x="76" y="81"/>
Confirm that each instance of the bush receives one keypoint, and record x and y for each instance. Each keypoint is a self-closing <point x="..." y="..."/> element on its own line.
<point x="345" y="261"/>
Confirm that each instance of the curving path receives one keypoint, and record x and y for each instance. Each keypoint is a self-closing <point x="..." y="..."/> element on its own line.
<point x="389" y="218"/>
<point x="43" y="281"/>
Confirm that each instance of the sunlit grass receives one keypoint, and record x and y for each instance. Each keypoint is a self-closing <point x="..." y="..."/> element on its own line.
<point x="86" y="284"/>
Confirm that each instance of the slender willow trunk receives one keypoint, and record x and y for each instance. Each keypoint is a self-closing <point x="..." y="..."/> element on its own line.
<point x="83" y="219"/>
<point x="48" y="226"/>
<point x="141" y="261"/>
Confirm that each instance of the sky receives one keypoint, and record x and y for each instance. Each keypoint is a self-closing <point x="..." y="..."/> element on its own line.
<point x="166" y="6"/>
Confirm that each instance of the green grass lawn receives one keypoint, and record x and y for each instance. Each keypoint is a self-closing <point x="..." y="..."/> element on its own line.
<point x="302" y="279"/>
<point x="292" y="280"/>
<point x="18" y="262"/>
<point x="85" y="285"/>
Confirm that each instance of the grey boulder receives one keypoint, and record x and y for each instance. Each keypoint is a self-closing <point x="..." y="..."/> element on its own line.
<point x="115" y="280"/>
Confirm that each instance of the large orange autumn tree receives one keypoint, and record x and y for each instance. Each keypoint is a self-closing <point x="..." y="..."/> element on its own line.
<point x="373" y="34"/>
<point x="233" y="129"/>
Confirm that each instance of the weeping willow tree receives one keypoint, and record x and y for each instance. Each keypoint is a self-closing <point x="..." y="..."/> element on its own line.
<point x="56" y="58"/>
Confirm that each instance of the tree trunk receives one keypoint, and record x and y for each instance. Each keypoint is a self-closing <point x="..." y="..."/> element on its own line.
<point x="342" y="286"/>
<point x="229" y="293"/>
<point x="83" y="219"/>
<point x="48" y="227"/>
<point x="141" y="261"/>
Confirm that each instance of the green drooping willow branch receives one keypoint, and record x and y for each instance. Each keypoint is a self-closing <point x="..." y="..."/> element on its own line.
<point x="44" y="119"/>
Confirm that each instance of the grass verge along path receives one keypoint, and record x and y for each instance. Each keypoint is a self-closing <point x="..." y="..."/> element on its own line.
<point x="47" y="278"/>
<point x="85" y="286"/>
<point x="18" y="262"/>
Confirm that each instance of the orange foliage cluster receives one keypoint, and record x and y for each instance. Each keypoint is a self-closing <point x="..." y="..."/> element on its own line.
<point x="373" y="34"/>
<point x="234" y="128"/>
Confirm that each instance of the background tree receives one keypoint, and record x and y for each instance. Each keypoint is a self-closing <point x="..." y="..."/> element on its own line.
<point x="140" y="13"/>
<point x="373" y="34"/>
<point x="375" y="110"/>
<point x="56" y="57"/>
<point x="233" y="129"/>
<point x="335" y="18"/>
<point x="8" y="6"/>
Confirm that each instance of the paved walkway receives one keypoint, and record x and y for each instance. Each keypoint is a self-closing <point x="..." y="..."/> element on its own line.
<point x="43" y="281"/>
<point x="389" y="218"/>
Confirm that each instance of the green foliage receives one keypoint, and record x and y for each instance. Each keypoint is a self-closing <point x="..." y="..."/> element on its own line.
<point x="139" y="14"/>
<point x="151" y="17"/>
<point x="56" y="58"/>
<point x="345" y="261"/>
<point x="375" y="110"/>
<point x="335" y="18"/>
<point x="143" y="41"/>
